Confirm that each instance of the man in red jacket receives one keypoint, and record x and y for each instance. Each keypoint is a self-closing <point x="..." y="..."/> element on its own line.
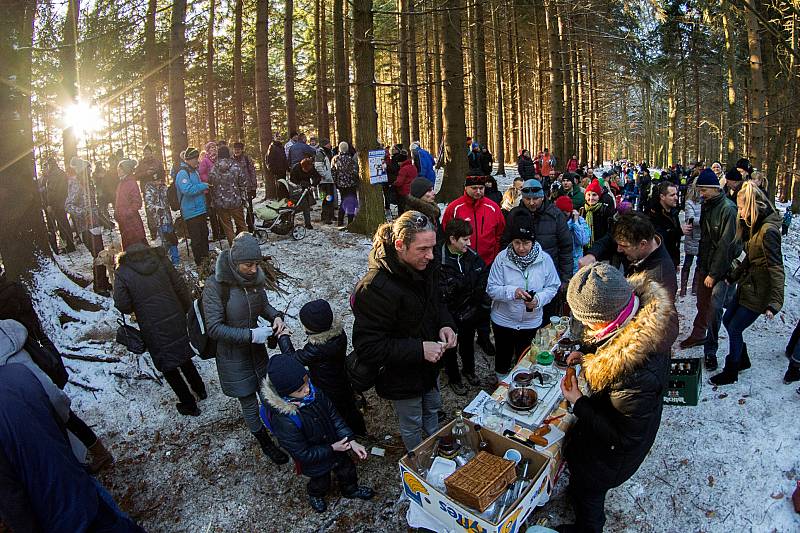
<point x="485" y="216"/>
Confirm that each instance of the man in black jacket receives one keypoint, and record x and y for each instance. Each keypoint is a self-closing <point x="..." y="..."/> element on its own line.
<point x="634" y="244"/>
<point x="663" y="214"/>
<point x="402" y="328"/>
<point x="277" y="164"/>
<point x="718" y="248"/>
<point x="552" y="234"/>
<point x="630" y="327"/>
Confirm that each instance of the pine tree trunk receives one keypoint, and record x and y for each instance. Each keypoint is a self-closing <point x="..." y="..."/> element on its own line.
<point x="438" y="124"/>
<point x="403" y="53"/>
<point x="758" y="104"/>
<point x="673" y="124"/>
<point x="481" y="129"/>
<point x="263" y="102"/>
<point x="238" y="79"/>
<point x="566" y="68"/>
<point x="69" y="74"/>
<point x="732" y="144"/>
<point x="431" y="137"/>
<point x="178" y="138"/>
<point x="341" y="76"/>
<point x="24" y="237"/>
<point x="472" y="36"/>
<point x="413" y="92"/>
<point x="321" y="101"/>
<point x="454" y="120"/>
<point x="288" y="65"/>
<point x="499" y="155"/>
<point x="152" y="117"/>
<point x="370" y="213"/>
<point x="513" y="65"/>
<point x="556" y="83"/>
<point x="210" y="82"/>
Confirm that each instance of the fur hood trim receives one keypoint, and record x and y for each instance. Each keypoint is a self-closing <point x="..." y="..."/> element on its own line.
<point x="275" y="400"/>
<point x="431" y="211"/>
<point x="630" y="348"/>
<point x="324" y="336"/>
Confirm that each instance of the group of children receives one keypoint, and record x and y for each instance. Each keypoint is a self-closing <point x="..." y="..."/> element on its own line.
<point x="313" y="413"/>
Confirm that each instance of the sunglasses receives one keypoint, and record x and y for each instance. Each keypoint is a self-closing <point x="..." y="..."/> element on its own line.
<point x="529" y="190"/>
<point x="421" y="221"/>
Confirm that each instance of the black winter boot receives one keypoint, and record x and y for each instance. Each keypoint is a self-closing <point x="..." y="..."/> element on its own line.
<point x="792" y="373"/>
<point x="275" y="454"/>
<point x="744" y="362"/>
<point x="726" y="377"/>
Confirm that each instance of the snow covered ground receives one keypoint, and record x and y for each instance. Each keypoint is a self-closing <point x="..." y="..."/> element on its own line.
<point x="729" y="464"/>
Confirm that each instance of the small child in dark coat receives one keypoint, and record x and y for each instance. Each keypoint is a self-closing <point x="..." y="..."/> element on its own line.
<point x="324" y="355"/>
<point x="306" y="424"/>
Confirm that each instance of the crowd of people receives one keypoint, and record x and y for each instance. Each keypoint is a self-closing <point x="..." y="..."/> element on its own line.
<point x="603" y="245"/>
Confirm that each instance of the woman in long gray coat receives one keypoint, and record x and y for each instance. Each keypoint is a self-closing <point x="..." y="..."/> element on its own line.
<point x="233" y="300"/>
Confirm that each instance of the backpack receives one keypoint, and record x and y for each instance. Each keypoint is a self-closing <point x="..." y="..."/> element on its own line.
<point x="203" y="345"/>
<point x="172" y="197"/>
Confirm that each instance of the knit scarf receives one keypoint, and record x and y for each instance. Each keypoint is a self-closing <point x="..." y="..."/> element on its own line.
<point x="589" y="216"/>
<point x="305" y="400"/>
<point x="524" y="262"/>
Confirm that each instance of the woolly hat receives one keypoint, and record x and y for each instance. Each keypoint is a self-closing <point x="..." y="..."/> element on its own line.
<point x="316" y="316"/>
<point x="191" y="153"/>
<point x="707" y="178"/>
<point x="344" y="148"/>
<point x="127" y="166"/>
<point x="598" y="293"/>
<point x="745" y="165"/>
<point x="522" y="228"/>
<point x="733" y="174"/>
<point x="595" y="187"/>
<point x="285" y="373"/>
<point x="245" y="248"/>
<point x="78" y="164"/>
<point x="565" y="204"/>
<point x="474" y="177"/>
<point x="420" y="186"/>
<point x="535" y="187"/>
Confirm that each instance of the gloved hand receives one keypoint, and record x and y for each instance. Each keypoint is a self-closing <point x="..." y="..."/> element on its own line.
<point x="259" y="335"/>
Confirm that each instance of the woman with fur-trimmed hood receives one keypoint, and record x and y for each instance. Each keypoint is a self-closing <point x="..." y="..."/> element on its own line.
<point x="324" y="355"/>
<point x="630" y="326"/>
<point x="423" y="199"/>
<point x="307" y="425"/>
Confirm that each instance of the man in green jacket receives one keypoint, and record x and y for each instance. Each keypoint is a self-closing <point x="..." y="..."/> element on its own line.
<point x="718" y="249"/>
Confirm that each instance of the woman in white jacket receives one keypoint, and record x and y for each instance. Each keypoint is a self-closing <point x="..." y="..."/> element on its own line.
<point x="523" y="279"/>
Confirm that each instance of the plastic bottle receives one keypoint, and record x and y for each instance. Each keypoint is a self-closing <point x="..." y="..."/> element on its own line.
<point x="461" y="434"/>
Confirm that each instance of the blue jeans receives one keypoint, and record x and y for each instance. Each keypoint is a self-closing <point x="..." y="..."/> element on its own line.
<point x="736" y="320"/>
<point x="167" y="235"/>
<point x="721" y="297"/>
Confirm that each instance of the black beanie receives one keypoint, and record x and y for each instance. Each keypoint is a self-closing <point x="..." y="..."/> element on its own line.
<point x="420" y="186"/>
<point x="285" y="373"/>
<point x="745" y="165"/>
<point x="316" y="316"/>
<point x="475" y="177"/>
<point x="733" y="174"/>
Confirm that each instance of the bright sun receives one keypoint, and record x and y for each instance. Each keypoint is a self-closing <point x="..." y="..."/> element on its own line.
<point x="83" y="118"/>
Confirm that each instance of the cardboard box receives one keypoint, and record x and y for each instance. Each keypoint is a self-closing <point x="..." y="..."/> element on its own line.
<point x="437" y="504"/>
<point x="685" y="380"/>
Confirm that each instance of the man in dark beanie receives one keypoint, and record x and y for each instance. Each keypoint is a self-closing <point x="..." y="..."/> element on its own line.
<point x="629" y="327"/>
<point x="734" y="178"/>
<point x="324" y="355"/>
<point x="485" y="216"/>
<point x="718" y="247"/>
<point x="306" y="424"/>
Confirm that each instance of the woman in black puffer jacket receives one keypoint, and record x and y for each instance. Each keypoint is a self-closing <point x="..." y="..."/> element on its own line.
<point x="147" y="284"/>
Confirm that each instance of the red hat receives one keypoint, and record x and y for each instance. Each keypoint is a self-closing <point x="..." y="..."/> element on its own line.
<point x="564" y="203"/>
<point x="595" y="187"/>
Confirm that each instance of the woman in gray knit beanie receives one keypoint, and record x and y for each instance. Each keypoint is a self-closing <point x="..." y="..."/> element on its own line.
<point x="631" y="326"/>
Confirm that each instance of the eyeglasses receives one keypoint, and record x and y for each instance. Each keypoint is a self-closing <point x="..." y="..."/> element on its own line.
<point x="531" y="189"/>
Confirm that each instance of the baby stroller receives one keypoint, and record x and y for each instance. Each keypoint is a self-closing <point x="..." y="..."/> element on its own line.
<point x="278" y="216"/>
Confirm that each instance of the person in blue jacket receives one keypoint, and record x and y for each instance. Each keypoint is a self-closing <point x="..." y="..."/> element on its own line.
<point x="44" y="487"/>
<point x="192" y="194"/>
<point x="424" y="162"/>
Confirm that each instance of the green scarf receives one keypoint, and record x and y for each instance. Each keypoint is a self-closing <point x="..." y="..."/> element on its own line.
<point x="589" y="216"/>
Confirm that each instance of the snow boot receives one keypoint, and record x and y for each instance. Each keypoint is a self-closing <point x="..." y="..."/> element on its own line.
<point x="275" y="454"/>
<point x="188" y="409"/>
<point x="691" y="342"/>
<point x="792" y="373"/>
<point x="710" y="362"/>
<point x="726" y="377"/>
<point x="684" y="281"/>
<point x="362" y="493"/>
<point x="99" y="457"/>
<point x="744" y="362"/>
<point x="318" y="504"/>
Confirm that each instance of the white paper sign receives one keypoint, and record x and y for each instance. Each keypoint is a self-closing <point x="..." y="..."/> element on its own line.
<point x="377" y="169"/>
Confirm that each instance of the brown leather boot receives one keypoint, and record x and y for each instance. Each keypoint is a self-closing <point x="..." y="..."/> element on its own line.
<point x="99" y="457"/>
